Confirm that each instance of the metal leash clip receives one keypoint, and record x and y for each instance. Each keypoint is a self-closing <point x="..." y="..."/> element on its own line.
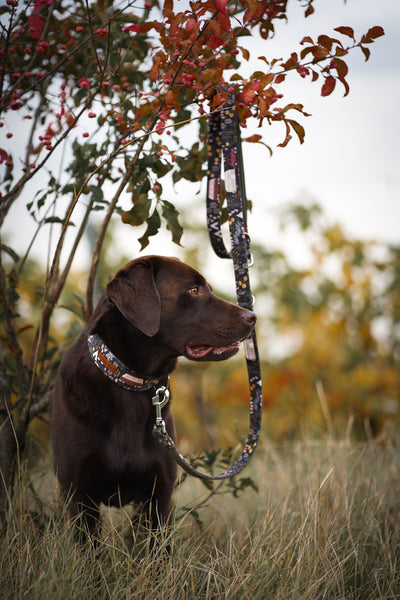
<point x="159" y="404"/>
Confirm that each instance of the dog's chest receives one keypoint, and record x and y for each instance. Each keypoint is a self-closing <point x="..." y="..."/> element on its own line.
<point x="129" y="437"/>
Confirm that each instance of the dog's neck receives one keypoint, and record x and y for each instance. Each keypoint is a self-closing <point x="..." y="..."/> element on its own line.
<point x="114" y="368"/>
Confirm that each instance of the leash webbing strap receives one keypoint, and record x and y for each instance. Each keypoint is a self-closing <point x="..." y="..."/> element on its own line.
<point x="224" y="139"/>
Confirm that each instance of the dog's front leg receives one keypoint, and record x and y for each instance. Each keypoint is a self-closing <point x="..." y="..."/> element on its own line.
<point x="85" y="515"/>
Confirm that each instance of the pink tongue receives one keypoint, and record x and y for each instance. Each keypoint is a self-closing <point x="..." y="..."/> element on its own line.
<point x="199" y="351"/>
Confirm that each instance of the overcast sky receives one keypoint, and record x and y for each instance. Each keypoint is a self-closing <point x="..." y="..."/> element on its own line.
<point x="349" y="161"/>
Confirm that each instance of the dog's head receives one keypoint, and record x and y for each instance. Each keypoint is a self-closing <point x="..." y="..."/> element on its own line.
<point x="169" y="301"/>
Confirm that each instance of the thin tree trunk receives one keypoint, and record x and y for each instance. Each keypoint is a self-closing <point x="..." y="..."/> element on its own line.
<point x="8" y="447"/>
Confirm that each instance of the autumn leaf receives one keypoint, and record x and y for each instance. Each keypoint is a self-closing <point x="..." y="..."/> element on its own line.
<point x="299" y="129"/>
<point x="329" y="86"/>
<point x="134" y="28"/>
<point x="309" y="10"/>
<point x="344" y="30"/>
<point x="366" y="52"/>
<point x="253" y="138"/>
<point x="170" y="98"/>
<point x="342" y="70"/>
<point x="372" y="34"/>
<point x="35" y="25"/>
<point x="221" y="5"/>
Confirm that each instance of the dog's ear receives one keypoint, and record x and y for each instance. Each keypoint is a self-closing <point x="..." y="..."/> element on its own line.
<point x="134" y="293"/>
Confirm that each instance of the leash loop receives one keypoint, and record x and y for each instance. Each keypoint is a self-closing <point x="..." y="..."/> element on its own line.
<point x="224" y="145"/>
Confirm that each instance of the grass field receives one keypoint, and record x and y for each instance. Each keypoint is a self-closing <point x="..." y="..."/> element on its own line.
<point x="324" y="524"/>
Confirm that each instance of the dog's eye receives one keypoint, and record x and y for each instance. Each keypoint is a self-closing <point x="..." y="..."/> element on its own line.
<point x="194" y="291"/>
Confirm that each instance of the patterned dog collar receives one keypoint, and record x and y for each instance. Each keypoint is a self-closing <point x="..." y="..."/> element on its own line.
<point x="114" y="369"/>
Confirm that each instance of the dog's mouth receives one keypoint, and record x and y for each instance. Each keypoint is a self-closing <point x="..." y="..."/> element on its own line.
<point x="205" y="352"/>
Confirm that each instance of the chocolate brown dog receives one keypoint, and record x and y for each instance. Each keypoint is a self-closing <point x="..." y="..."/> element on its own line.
<point x="154" y="310"/>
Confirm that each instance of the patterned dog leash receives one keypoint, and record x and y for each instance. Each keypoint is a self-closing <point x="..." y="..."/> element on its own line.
<point x="224" y="139"/>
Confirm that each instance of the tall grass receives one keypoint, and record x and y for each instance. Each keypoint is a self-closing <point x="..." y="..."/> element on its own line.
<point x="325" y="524"/>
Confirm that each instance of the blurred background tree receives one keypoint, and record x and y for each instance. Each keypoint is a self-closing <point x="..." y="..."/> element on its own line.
<point x="329" y="336"/>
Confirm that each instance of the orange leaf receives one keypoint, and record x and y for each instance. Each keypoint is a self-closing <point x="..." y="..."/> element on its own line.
<point x="155" y="69"/>
<point x="245" y="52"/>
<point x="253" y="138"/>
<point x="175" y="24"/>
<point x="299" y="129"/>
<point x="266" y="80"/>
<point x="170" y="98"/>
<point x="168" y="8"/>
<point x="248" y="95"/>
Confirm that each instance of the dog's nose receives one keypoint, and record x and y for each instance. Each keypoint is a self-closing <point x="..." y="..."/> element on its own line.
<point x="248" y="317"/>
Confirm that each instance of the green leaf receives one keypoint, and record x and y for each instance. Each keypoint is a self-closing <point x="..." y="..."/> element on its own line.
<point x="139" y="213"/>
<point x="97" y="194"/>
<point x="145" y="187"/>
<point x="153" y="162"/>
<point x="69" y="187"/>
<point x="41" y="201"/>
<point x="57" y="220"/>
<point x="171" y="215"/>
<point x="10" y="252"/>
<point x="183" y="115"/>
<point x="153" y="225"/>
